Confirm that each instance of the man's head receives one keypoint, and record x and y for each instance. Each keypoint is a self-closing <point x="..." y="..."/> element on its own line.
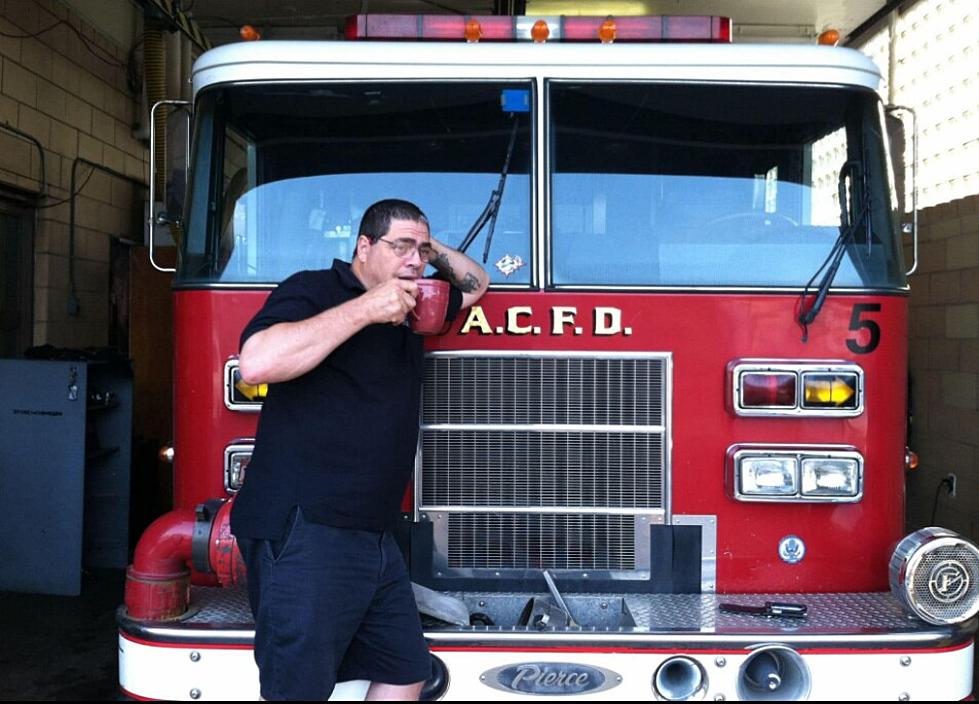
<point x="391" y="233"/>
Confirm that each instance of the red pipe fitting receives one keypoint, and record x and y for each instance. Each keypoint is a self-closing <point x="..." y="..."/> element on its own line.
<point x="224" y="558"/>
<point x="158" y="581"/>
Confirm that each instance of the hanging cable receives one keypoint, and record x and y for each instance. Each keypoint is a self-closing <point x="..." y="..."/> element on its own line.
<point x="94" y="49"/>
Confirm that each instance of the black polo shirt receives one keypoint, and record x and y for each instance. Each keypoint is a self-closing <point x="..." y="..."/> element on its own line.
<point x="340" y="440"/>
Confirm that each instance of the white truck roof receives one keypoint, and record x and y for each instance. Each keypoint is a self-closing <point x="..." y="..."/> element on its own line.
<point x="287" y="61"/>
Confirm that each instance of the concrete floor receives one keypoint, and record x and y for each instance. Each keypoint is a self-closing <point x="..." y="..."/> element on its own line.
<point x="62" y="647"/>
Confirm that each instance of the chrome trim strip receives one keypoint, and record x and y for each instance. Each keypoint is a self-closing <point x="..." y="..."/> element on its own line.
<point x="654" y="513"/>
<point x="545" y="428"/>
<point x="192" y="286"/>
<point x="668" y="356"/>
<point x="694" y="640"/>
<point x="567" y="288"/>
<point x="272" y="285"/>
<point x="541" y="208"/>
<point x="673" y="288"/>
<point x="668" y="436"/>
<point x="188" y="634"/>
<point x="799" y="368"/>
<point x="192" y="634"/>
<point x="708" y="547"/>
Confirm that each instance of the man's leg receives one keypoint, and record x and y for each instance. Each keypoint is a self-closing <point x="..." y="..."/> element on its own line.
<point x="389" y="648"/>
<point x="309" y="608"/>
<point x="378" y="691"/>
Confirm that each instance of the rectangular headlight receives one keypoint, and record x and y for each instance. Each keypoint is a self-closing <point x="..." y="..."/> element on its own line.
<point x="236" y="459"/>
<point x="768" y="476"/>
<point x="830" y="476"/>
<point x="802" y="474"/>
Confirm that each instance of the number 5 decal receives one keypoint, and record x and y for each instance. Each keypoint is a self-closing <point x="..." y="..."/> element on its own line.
<point x="870" y="326"/>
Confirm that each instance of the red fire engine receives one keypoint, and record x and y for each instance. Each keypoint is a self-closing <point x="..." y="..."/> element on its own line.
<point x="665" y="455"/>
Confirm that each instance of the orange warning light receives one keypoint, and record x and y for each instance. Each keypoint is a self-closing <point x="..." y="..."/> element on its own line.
<point x="831" y="37"/>
<point x="607" y="31"/>
<point x="249" y="33"/>
<point x="540" y="31"/>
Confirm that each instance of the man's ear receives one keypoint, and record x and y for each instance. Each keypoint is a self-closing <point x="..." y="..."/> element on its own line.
<point x="363" y="247"/>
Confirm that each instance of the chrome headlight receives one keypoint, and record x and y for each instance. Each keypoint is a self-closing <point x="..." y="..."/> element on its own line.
<point x="767" y="476"/>
<point x="935" y="574"/>
<point x="236" y="459"/>
<point x="795" y="474"/>
<point x="830" y="476"/>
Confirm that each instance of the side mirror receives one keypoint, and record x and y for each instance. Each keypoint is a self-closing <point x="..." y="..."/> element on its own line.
<point x="176" y="190"/>
<point x="897" y="138"/>
<point x="896" y="132"/>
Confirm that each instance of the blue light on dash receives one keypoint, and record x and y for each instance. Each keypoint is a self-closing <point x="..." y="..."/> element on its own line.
<point x="515" y="100"/>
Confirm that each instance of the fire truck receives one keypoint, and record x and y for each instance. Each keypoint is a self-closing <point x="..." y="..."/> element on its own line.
<point x="664" y="456"/>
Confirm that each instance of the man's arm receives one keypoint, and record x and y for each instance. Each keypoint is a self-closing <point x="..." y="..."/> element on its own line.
<point x="287" y="350"/>
<point x="463" y="271"/>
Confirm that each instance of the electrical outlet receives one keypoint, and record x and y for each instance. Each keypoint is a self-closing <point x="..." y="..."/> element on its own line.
<point x="953" y="483"/>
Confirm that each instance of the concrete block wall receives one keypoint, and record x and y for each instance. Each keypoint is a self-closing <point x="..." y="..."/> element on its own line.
<point x="76" y="103"/>
<point x="944" y="349"/>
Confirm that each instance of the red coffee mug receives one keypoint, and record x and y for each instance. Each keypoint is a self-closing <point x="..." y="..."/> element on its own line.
<point x="431" y="304"/>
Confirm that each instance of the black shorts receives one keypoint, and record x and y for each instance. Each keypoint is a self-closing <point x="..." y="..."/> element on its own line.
<point x="332" y="604"/>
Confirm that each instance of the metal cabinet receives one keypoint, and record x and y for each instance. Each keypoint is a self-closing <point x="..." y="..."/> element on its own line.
<point x="65" y="455"/>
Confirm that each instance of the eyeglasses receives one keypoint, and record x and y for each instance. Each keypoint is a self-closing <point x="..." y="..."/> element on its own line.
<point x="405" y="248"/>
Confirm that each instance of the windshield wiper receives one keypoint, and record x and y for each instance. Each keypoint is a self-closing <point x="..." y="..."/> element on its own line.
<point x="832" y="262"/>
<point x="492" y="208"/>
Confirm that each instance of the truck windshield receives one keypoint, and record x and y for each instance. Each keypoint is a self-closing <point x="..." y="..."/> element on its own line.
<point x="693" y="185"/>
<point x="282" y="173"/>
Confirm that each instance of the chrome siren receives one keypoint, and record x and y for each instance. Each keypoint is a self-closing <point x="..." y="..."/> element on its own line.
<point x="935" y="574"/>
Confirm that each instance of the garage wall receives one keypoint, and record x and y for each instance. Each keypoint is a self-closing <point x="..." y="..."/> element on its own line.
<point x="945" y="367"/>
<point x="64" y="83"/>
<point x="926" y="51"/>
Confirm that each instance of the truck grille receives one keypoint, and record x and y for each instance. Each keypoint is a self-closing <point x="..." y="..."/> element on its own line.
<point x="534" y="541"/>
<point x="543" y="461"/>
<point x="506" y="468"/>
<point x="547" y="390"/>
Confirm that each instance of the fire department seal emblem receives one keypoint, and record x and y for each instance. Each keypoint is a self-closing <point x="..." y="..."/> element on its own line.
<point x="948" y="581"/>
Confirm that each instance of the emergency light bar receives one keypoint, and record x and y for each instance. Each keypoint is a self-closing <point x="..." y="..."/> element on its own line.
<point x="489" y="28"/>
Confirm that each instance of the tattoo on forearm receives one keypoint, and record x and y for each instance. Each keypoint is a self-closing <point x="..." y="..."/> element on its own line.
<point x="442" y="264"/>
<point x="467" y="284"/>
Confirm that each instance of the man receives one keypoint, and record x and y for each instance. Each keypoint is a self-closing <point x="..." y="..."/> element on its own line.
<point x="335" y="449"/>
